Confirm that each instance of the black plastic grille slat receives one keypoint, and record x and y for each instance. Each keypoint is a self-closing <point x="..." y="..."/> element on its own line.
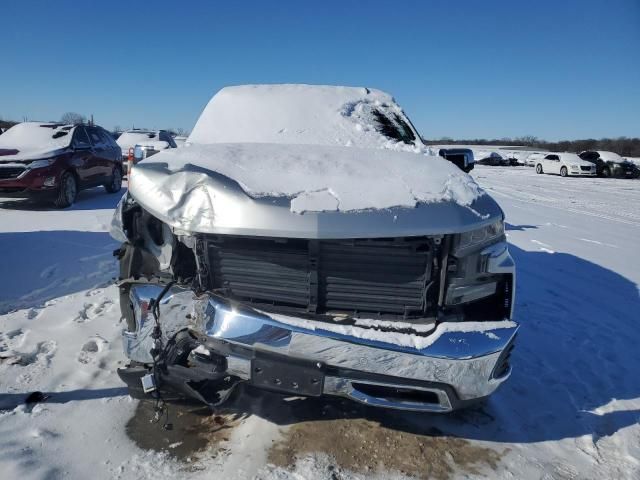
<point x="10" y="172"/>
<point x="372" y="278"/>
<point x="386" y="277"/>
<point x="261" y="271"/>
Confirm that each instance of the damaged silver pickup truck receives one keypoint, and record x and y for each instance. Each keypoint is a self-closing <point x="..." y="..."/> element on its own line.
<point x="306" y="242"/>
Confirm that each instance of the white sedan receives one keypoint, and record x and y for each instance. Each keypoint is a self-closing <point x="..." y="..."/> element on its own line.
<point x="565" y="164"/>
<point x="533" y="158"/>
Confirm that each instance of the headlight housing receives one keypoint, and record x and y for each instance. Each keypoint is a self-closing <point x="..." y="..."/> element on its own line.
<point x="480" y="237"/>
<point x="45" y="162"/>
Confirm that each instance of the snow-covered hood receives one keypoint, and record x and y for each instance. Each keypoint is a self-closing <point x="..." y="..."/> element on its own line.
<point x="34" y="140"/>
<point x="10" y="155"/>
<point x="308" y="191"/>
<point x="573" y="159"/>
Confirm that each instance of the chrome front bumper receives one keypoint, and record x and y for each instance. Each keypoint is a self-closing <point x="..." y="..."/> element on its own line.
<point x="448" y="370"/>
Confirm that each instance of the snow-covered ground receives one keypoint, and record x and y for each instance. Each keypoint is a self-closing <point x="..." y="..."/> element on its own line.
<point x="570" y="410"/>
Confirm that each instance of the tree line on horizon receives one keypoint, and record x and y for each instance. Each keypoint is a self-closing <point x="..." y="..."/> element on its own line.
<point x="624" y="146"/>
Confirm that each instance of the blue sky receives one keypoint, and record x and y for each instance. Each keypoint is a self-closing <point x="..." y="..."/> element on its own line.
<point x="554" y="69"/>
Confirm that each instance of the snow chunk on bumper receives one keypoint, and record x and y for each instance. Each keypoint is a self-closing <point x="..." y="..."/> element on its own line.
<point x="366" y="330"/>
<point x="314" y="178"/>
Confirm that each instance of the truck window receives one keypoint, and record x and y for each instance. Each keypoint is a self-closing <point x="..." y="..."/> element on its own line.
<point x="393" y="127"/>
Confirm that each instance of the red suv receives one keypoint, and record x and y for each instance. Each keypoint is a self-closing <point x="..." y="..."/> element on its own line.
<point x="54" y="161"/>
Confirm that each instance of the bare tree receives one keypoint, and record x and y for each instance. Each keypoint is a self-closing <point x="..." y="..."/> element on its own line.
<point x="73" y="118"/>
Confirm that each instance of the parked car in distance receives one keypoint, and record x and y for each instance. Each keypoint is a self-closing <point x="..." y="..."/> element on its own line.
<point x="461" y="157"/>
<point x="150" y="141"/>
<point x="565" y="164"/>
<point x="494" y="159"/>
<point x="303" y="243"/>
<point x="54" y="161"/>
<point x="634" y="160"/>
<point x="610" y="164"/>
<point x="180" y="140"/>
<point x="533" y="159"/>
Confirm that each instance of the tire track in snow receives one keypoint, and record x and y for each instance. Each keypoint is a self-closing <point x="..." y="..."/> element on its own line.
<point x="551" y="203"/>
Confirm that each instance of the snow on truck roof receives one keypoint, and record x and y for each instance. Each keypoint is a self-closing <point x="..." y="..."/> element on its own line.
<point x="131" y="138"/>
<point x="305" y="114"/>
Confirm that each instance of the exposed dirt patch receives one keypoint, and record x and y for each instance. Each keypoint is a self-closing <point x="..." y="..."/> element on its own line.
<point x="355" y="437"/>
<point x="362" y="445"/>
<point x="190" y="428"/>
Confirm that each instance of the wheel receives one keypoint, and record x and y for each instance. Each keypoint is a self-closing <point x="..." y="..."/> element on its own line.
<point x="67" y="192"/>
<point x="606" y="172"/>
<point x="563" y="172"/>
<point x="115" y="184"/>
<point x="539" y="168"/>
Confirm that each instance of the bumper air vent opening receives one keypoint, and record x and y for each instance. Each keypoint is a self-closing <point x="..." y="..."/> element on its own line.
<point x="397" y="394"/>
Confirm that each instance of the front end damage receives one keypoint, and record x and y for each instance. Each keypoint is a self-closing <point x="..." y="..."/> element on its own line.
<point x="417" y="322"/>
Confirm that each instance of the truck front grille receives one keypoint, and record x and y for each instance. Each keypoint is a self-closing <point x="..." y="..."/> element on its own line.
<point x="380" y="276"/>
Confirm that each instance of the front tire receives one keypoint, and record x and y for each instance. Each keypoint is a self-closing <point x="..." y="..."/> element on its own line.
<point x="606" y="172"/>
<point x="115" y="184"/>
<point x="67" y="192"/>
<point x="564" y="172"/>
<point x="539" y="169"/>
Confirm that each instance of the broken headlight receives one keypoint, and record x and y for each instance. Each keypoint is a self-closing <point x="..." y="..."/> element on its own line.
<point x="480" y="274"/>
<point x="481" y="237"/>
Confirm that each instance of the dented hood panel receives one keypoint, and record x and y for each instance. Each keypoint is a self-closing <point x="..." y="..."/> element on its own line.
<point x="415" y="195"/>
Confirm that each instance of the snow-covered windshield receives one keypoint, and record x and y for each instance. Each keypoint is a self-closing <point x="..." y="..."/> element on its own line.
<point x="305" y="114"/>
<point x="36" y="136"/>
<point x="572" y="157"/>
